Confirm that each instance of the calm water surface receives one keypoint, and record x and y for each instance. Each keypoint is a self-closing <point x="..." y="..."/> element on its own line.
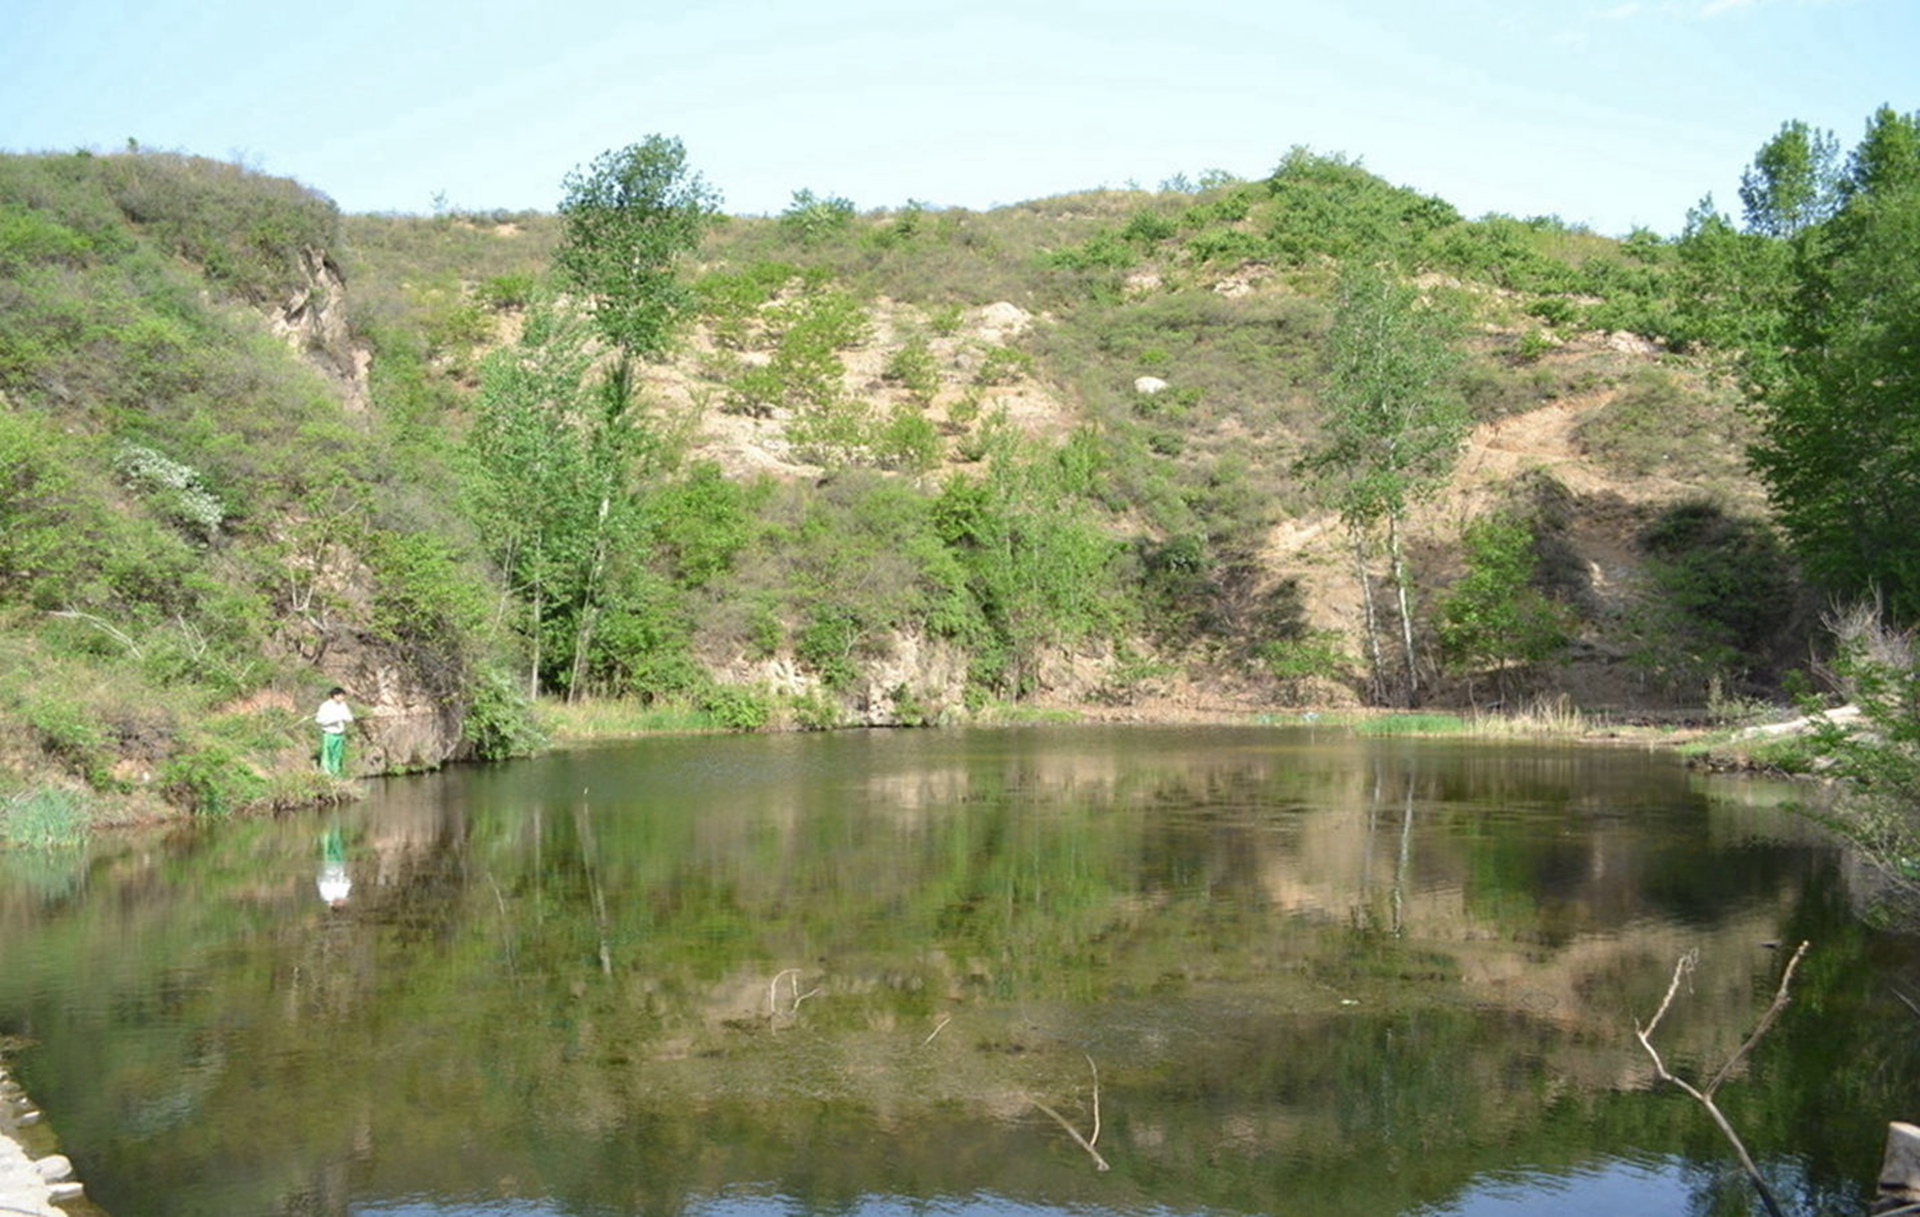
<point x="1256" y="970"/>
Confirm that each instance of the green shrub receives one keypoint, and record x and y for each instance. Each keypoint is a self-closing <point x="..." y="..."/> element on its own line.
<point x="499" y="721"/>
<point x="913" y="367"/>
<point x="252" y="233"/>
<point x="1003" y="366"/>
<point x="907" y="441"/>
<point x="212" y="778"/>
<point x="71" y="733"/>
<point x="826" y="643"/>
<point x="813" y="219"/>
<point x="738" y="708"/>
<point x="1722" y="597"/>
<point x="1554" y="310"/>
<point x="1328" y="206"/>
<point x="508" y="291"/>
<point x="1299" y="664"/>
<point x="814" y="712"/>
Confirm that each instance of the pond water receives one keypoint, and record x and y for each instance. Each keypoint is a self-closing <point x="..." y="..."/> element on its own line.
<point x="1251" y="970"/>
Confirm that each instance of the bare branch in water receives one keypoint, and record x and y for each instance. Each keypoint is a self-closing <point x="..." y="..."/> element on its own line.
<point x="1704" y="1097"/>
<point x="1086" y="1143"/>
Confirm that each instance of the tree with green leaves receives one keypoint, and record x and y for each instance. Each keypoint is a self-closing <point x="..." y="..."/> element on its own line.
<point x="1394" y="429"/>
<point x="1793" y="182"/>
<point x="1493" y="616"/>
<point x="1840" y="442"/>
<point x="1037" y="562"/>
<point x="526" y="469"/>
<point x="627" y="222"/>
<point x="1731" y="287"/>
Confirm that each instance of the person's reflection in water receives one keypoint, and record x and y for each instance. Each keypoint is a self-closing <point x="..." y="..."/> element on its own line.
<point x="334" y="881"/>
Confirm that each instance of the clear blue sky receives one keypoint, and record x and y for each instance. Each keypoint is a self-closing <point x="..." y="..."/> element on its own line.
<point x="1612" y="113"/>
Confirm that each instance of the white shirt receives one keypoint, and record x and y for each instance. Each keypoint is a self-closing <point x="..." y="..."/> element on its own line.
<point x="333" y="716"/>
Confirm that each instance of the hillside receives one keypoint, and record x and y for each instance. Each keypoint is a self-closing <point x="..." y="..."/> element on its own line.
<point x="898" y="467"/>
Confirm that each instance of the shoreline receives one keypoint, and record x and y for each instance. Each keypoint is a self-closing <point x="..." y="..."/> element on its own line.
<point x="37" y="1184"/>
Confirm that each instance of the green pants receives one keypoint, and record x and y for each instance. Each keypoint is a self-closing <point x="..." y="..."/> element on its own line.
<point x="333" y="752"/>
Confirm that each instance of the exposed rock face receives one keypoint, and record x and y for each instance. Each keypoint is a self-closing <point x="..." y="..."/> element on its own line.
<point x="400" y="722"/>
<point x="313" y="321"/>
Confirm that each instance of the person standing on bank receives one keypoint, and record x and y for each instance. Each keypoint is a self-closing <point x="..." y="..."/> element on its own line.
<point x="333" y="717"/>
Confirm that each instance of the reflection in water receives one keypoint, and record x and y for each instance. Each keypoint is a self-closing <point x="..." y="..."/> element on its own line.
<point x="334" y="882"/>
<point x="841" y="973"/>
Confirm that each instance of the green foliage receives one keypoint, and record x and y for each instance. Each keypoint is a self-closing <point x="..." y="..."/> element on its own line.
<point x="738" y="708"/>
<point x="1104" y="251"/>
<point x="71" y="732"/>
<point x="907" y="441"/>
<point x="507" y="291"/>
<point x="628" y="220"/>
<point x="731" y="300"/>
<point x="1493" y="616"/>
<point x="812" y="218"/>
<point x="212" y="778"/>
<point x="1793" y="182"/>
<point x="1394" y="424"/>
<point x="700" y="522"/>
<point x="1038" y="565"/>
<point x="913" y="367"/>
<point x="1003" y="365"/>
<point x="425" y="598"/>
<point x="1731" y="288"/>
<point x="1878" y="668"/>
<point x="808" y="328"/>
<point x="46" y="818"/>
<point x="253" y="234"/>
<point x="1328" y="206"/>
<point x="1840" y="440"/>
<point x="1302" y="664"/>
<point x="499" y="721"/>
<point x="826" y="642"/>
<point x="858" y="562"/>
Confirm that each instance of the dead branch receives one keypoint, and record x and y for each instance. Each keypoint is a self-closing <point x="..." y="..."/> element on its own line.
<point x="1086" y="1143"/>
<point x="944" y="1020"/>
<point x="1704" y="1096"/>
<point x="792" y="976"/>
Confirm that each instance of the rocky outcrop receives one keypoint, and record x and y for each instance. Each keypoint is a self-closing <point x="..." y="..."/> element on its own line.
<point x="313" y="322"/>
<point x="402" y="721"/>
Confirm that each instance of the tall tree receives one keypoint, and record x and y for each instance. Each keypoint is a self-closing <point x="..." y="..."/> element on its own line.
<point x="528" y="469"/>
<point x="1793" y="181"/>
<point x="627" y="221"/>
<point x="1395" y="426"/>
<point x="1840" y="403"/>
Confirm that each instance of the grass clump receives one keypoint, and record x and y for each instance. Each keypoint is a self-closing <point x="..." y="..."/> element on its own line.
<point x="1420" y="723"/>
<point x="45" y="818"/>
